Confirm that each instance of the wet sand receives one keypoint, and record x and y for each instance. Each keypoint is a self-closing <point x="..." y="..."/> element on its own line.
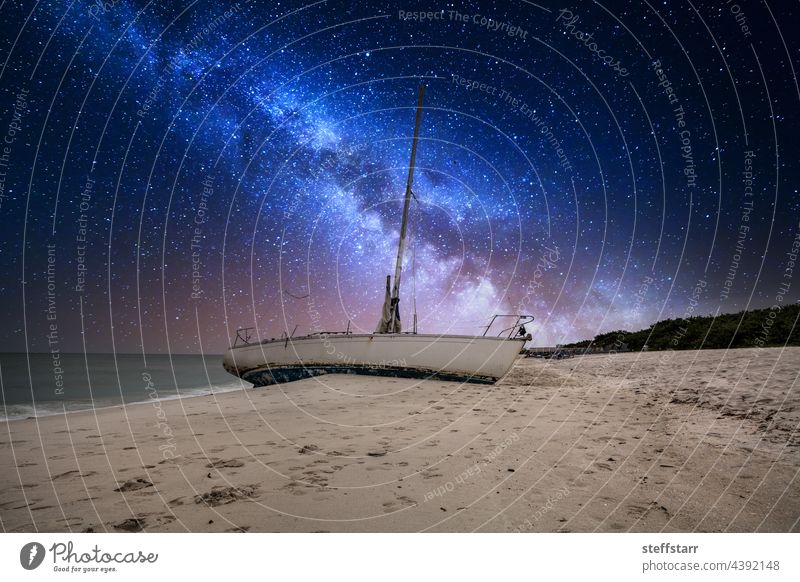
<point x="661" y="441"/>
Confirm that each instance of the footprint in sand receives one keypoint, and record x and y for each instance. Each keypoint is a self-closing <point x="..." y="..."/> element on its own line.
<point x="132" y="524"/>
<point x="295" y="488"/>
<point x="430" y="474"/>
<point x="400" y="502"/>
<point x="228" y="463"/>
<point x="314" y="479"/>
<point x="64" y="475"/>
<point x="134" y="485"/>
<point x="165" y="519"/>
<point x="651" y="509"/>
<point x="220" y="495"/>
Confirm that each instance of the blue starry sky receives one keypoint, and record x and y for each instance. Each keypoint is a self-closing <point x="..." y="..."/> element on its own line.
<point x="175" y="170"/>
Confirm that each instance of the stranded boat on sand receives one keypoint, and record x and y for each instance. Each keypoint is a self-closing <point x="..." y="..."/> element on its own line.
<point x="387" y="352"/>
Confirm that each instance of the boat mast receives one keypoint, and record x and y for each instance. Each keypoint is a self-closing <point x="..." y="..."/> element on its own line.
<point x="406" y="202"/>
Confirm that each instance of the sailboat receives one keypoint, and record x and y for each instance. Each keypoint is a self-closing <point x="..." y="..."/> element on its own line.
<point x="389" y="351"/>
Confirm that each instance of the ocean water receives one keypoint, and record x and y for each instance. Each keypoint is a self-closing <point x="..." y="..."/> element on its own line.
<point x="39" y="385"/>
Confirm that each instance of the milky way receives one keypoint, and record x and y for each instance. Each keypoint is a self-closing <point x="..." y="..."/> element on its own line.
<point x="174" y="171"/>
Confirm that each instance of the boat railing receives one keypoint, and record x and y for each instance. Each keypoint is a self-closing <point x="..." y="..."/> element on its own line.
<point x="520" y="320"/>
<point x="244" y="335"/>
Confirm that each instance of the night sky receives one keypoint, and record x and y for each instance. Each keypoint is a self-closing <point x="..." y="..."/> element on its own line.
<point x="172" y="171"/>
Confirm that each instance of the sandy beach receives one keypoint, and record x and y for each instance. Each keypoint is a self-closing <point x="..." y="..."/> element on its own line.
<point x="663" y="441"/>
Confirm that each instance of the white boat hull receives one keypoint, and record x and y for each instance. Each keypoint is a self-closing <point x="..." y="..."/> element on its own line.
<point x="446" y="357"/>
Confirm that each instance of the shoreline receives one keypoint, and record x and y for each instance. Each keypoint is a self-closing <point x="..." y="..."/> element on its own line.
<point x="167" y="398"/>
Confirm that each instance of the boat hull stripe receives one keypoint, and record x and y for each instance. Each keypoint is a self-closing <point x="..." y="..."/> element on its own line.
<point x="282" y="374"/>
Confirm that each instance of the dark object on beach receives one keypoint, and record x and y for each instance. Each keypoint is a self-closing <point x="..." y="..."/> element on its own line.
<point x="308" y="449"/>
<point x="210" y="521"/>
<point x="130" y="524"/>
<point x="220" y="495"/>
<point x="134" y="485"/>
<point x="226" y="463"/>
<point x="376" y="453"/>
<point x="510" y="470"/>
<point x="89" y="529"/>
